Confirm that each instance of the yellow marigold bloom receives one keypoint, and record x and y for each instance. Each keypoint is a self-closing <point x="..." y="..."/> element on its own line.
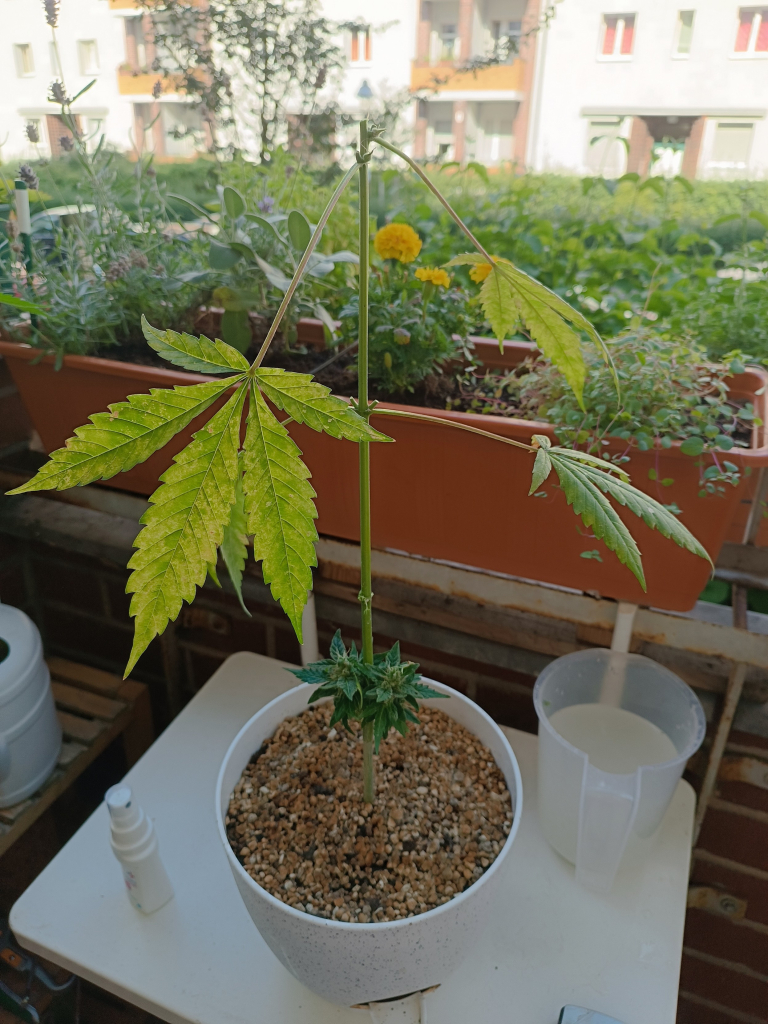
<point x="397" y="242"/>
<point x="433" y="275"/>
<point x="480" y="271"/>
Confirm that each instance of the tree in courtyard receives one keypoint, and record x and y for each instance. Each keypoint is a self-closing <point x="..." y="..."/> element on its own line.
<point x="249" y="64"/>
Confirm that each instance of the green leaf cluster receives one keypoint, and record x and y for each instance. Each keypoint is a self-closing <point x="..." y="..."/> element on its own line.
<point x="386" y="693"/>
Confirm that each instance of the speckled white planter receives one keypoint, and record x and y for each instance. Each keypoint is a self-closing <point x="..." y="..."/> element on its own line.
<point x="360" y="963"/>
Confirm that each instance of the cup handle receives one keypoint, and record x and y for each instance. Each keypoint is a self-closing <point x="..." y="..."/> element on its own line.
<point x="5" y="759"/>
<point x="606" y="816"/>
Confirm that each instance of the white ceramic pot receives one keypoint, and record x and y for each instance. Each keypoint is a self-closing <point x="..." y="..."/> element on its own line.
<point x="359" y="963"/>
<point x="30" y="734"/>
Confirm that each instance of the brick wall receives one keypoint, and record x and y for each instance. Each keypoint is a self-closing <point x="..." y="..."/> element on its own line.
<point x="724" y="976"/>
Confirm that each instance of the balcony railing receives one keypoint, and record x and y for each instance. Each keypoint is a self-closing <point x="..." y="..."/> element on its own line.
<point x="141" y="83"/>
<point x="445" y="77"/>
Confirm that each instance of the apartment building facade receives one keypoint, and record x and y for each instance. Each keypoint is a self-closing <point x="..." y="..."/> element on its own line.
<point x="599" y="87"/>
<point x="104" y="41"/>
<point x="90" y="48"/>
<point x="596" y="87"/>
<point x="685" y="82"/>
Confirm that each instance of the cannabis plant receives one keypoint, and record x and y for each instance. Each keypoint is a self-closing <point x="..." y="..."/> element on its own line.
<point x="220" y="487"/>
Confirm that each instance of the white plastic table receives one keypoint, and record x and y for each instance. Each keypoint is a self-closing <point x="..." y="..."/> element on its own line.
<point x="200" y="959"/>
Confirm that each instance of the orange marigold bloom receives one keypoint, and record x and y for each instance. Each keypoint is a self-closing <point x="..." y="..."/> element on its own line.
<point x="480" y="271"/>
<point x="397" y="242"/>
<point x="433" y="275"/>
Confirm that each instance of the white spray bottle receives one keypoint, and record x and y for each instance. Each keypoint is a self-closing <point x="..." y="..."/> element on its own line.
<point x="134" y="843"/>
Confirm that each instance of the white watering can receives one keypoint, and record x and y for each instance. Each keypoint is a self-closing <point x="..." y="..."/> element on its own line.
<point x="30" y="734"/>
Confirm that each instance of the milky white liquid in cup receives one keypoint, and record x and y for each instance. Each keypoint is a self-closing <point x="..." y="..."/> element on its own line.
<point x="615" y="740"/>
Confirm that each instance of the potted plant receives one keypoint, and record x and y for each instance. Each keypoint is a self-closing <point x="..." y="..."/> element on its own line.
<point x="221" y="487"/>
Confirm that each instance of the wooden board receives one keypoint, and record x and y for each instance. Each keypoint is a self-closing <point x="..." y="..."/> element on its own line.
<point x="94" y="708"/>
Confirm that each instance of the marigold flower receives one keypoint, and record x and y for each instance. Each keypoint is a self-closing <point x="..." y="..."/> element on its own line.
<point x="433" y="275"/>
<point x="480" y="271"/>
<point x="397" y="242"/>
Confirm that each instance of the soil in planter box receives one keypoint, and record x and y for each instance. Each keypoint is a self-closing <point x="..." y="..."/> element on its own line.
<point x="299" y="827"/>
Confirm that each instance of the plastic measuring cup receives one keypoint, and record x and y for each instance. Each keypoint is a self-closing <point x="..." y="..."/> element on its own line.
<point x="639" y="723"/>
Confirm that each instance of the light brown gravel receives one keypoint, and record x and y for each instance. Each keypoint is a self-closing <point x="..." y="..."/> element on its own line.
<point x="299" y="827"/>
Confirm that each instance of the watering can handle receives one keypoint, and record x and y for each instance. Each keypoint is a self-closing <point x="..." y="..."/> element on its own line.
<point x="606" y="816"/>
<point x="5" y="759"/>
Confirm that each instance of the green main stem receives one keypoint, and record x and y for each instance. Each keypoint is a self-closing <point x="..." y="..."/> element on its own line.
<point x="366" y="592"/>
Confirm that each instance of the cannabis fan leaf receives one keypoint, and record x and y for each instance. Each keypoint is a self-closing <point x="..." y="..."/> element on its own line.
<point x="308" y="402"/>
<point x="185" y="525"/>
<point x="128" y="434"/>
<point x="234" y="544"/>
<point x="280" y="509"/>
<point x="197" y="354"/>
<point x="509" y="297"/>
<point x="586" y="480"/>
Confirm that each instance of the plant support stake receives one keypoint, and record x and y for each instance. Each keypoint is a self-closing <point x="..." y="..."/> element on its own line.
<point x="366" y="591"/>
<point x="24" y="221"/>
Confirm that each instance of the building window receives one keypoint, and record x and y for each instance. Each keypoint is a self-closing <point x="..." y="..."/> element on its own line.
<point x="360" y="49"/>
<point x="684" y="33"/>
<point x="25" y="64"/>
<point x="135" y="43"/>
<point x="505" y="39"/>
<point x="449" y="43"/>
<point x="752" y="32"/>
<point x="88" y="57"/>
<point x="617" y="36"/>
<point x="732" y="146"/>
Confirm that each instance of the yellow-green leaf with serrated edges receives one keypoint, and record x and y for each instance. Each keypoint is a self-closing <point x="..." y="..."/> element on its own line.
<point x="557" y="341"/>
<point x="234" y="544"/>
<point x="129" y="433"/>
<point x="499" y="306"/>
<point x="525" y="284"/>
<point x="597" y="513"/>
<point x="308" y="402"/>
<point x="185" y="525"/>
<point x="542" y="467"/>
<point x="652" y="512"/>
<point x="197" y="354"/>
<point x="280" y="510"/>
